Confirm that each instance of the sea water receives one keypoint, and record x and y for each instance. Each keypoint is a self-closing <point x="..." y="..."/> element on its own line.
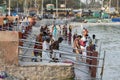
<point x="109" y="37"/>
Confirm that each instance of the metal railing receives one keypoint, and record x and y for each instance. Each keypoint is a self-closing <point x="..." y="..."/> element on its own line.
<point x="65" y="55"/>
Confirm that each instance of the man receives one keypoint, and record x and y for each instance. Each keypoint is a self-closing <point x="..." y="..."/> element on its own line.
<point x="55" y="46"/>
<point x="94" y="41"/>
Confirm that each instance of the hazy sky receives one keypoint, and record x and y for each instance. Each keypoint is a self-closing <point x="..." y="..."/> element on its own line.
<point x="88" y="1"/>
<point x="83" y="0"/>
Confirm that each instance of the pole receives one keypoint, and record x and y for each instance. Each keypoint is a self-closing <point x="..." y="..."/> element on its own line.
<point x="42" y="9"/>
<point x="25" y="7"/>
<point x="51" y="1"/>
<point x="110" y="4"/>
<point x="86" y="4"/>
<point x="35" y="4"/>
<point x="56" y="8"/>
<point x="102" y="3"/>
<point x="66" y="13"/>
<point x="17" y="6"/>
<point x="65" y="5"/>
<point x="103" y="65"/>
<point x="80" y="3"/>
<point x="9" y="8"/>
<point x="117" y="5"/>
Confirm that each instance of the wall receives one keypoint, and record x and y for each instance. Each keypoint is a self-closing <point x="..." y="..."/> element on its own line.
<point x="50" y="71"/>
<point x="9" y="47"/>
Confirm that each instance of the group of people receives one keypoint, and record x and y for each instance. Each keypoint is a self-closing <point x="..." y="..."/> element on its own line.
<point x="7" y="23"/>
<point x="50" y="40"/>
<point x="81" y="42"/>
<point x="47" y="44"/>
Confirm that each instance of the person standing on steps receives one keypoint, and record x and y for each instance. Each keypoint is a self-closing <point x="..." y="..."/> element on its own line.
<point x="55" y="46"/>
<point x="45" y="53"/>
<point x="70" y="35"/>
<point x="77" y="46"/>
<point x="94" y="41"/>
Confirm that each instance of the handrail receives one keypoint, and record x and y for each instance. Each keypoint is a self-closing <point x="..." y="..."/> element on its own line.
<point x="74" y="54"/>
<point x="29" y="41"/>
<point x="102" y="70"/>
<point x="42" y="42"/>
<point x="68" y="53"/>
<point x="27" y="56"/>
<point x="61" y="52"/>
<point x="34" y="49"/>
<point x="63" y="57"/>
<point x="82" y="63"/>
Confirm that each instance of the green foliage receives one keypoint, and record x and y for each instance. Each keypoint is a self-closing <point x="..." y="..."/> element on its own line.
<point x="1" y="2"/>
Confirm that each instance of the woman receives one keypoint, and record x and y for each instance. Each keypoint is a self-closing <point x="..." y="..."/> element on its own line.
<point x="77" y="45"/>
<point x="77" y="48"/>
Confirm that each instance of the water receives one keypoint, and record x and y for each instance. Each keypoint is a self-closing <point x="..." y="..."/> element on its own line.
<point x="110" y="37"/>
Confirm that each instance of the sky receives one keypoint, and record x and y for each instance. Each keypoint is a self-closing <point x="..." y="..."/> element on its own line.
<point x="88" y="1"/>
<point x="83" y="0"/>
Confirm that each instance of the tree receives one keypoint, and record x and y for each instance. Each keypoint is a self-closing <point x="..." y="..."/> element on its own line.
<point x="1" y="2"/>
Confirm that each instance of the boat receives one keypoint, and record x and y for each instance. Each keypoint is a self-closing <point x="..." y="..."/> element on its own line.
<point x="117" y="19"/>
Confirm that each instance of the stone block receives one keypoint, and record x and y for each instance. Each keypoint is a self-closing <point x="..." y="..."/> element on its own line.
<point x="9" y="47"/>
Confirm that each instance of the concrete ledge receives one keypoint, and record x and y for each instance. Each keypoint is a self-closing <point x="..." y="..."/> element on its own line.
<point x="41" y="63"/>
<point x="42" y="71"/>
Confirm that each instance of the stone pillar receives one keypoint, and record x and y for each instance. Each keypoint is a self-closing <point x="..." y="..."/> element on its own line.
<point x="94" y="62"/>
<point x="9" y="41"/>
<point x="20" y="37"/>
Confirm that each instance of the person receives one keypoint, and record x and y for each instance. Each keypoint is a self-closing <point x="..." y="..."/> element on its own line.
<point x="69" y="37"/>
<point x="60" y="31"/>
<point x="76" y="46"/>
<point x="65" y="32"/>
<point x="44" y="36"/>
<point x="46" y="54"/>
<point x="74" y="36"/>
<point x="54" y="32"/>
<point x="55" y="46"/>
<point x="51" y="39"/>
<point x="86" y="37"/>
<point x="15" y="21"/>
<point x="42" y="29"/>
<point x="94" y="41"/>
<point x="86" y="41"/>
<point x="70" y="28"/>
<point x="46" y="28"/>
<point x="5" y="23"/>
<point x="38" y="46"/>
